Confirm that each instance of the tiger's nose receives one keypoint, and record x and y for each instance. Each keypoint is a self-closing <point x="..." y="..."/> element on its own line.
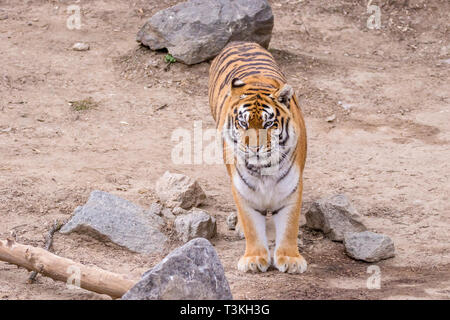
<point x="255" y="148"/>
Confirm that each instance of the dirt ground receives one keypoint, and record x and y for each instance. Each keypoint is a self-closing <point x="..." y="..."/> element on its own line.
<point x="387" y="150"/>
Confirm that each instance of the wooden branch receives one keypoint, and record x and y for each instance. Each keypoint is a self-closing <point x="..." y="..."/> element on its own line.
<point x="62" y="269"/>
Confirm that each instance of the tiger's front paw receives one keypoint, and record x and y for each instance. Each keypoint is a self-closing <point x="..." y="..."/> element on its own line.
<point x="289" y="264"/>
<point x="253" y="263"/>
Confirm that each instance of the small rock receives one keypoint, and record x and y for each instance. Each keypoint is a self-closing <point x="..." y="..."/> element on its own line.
<point x="178" y="211"/>
<point x="168" y="214"/>
<point x="190" y="272"/>
<point x="178" y="190"/>
<point x="6" y="130"/>
<point x="81" y="46"/>
<point x="156" y="208"/>
<point x="196" y="224"/>
<point x="160" y="210"/>
<point x="369" y="246"/>
<point x="197" y="30"/>
<point x="153" y="63"/>
<point x="445" y="50"/>
<point x="233" y="224"/>
<point x="345" y="106"/>
<point x="331" y="118"/>
<point x="232" y="221"/>
<point x="108" y="217"/>
<point x="335" y="216"/>
<point x="239" y="233"/>
<point x="3" y="16"/>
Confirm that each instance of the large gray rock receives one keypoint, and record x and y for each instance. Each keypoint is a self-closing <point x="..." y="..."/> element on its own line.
<point x="178" y="190"/>
<point x="197" y="30"/>
<point x="190" y="272"/>
<point x="195" y="224"/>
<point x="335" y="216"/>
<point x="369" y="246"/>
<point x="108" y="217"/>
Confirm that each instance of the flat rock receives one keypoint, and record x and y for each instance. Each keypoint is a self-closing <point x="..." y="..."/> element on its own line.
<point x="368" y="246"/>
<point x="334" y="216"/>
<point x="178" y="190"/>
<point x="190" y="272"/>
<point x="197" y="30"/>
<point x="195" y="224"/>
<point x="108" y="217"/>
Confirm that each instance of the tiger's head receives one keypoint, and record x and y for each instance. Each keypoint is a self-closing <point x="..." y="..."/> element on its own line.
<point x="259" y="123"/>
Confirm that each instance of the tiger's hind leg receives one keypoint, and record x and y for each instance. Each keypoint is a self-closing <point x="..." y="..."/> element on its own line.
<point x="287" y="257"/>
<point x="253" y="224"/>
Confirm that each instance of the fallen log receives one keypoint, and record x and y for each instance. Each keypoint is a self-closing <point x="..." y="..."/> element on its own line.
<point x="61" y="269"/>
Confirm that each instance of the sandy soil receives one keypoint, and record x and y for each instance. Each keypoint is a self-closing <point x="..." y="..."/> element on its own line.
<point x="388" y="148"/>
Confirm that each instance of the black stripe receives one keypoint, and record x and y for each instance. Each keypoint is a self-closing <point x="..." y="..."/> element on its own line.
<point x="288" y="170"/>
<point x="246" y="74"/>
<point x="258" y="66"/>
<point x="239" y="59"/>
<point x="274" y="70"/>
<point x="260" y="60"/>
<point x="228" y="78"/>
<point x="283" y="142"/>
<point x="245" y="181"/>
<point x="258" y="53"/>
<point x="227" y="52"/>
<point x="295" y="189"/>
<point x="219" y="108"/>
<point x="244" y="47"/>
<point x="243" y="69"/>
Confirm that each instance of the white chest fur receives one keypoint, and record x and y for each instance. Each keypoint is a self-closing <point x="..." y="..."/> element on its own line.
<point x="267" y="192"/>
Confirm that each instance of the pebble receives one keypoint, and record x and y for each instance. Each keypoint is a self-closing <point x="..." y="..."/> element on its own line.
<point x="81" y="46"/>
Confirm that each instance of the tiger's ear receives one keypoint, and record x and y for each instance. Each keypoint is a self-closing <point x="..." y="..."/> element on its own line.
<point x="285" y="94"/>
<point x="237" y="87"/>
<point x="237" y="83"/>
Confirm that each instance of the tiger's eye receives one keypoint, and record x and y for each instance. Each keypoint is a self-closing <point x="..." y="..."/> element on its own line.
<point x="243" y="124"/>
<point x="268" y="124"/>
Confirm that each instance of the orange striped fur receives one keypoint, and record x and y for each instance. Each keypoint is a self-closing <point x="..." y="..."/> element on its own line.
<point x="264" y="136"/>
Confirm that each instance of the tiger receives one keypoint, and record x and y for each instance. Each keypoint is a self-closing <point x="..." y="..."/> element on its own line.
<point x="248" y="93"/>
